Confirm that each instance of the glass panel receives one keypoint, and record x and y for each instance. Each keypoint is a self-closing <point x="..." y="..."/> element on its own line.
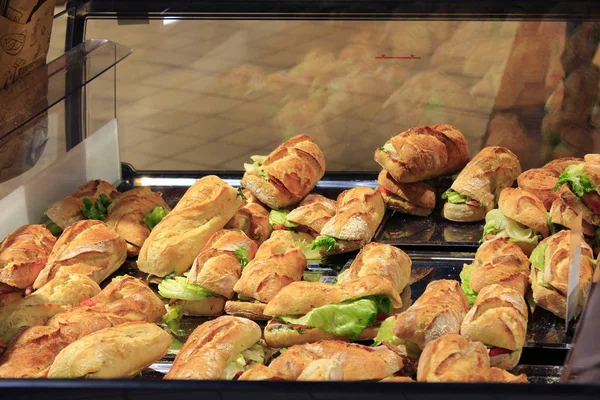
<point x="207" y="94"/>
<point x="33" y="133"/>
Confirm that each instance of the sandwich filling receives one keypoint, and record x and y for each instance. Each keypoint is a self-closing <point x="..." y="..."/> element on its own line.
<point x="391" y="152"/>
<point x="580" y="183"/>
<point x="385" y="335"/>
<point x="242" y="361"/>
<point x="328" y="243"/>
<point x="278" y="220"/>
<point x="465" y="284"/>
<point x="180" y="289"/>
<point x="96" y="210"/>
<point x="257" y="169"/>
<point x="346" y="319"/>
<point x="498" y="225"/>
<point x="53" y="228"/>
<point x="538" y="261"/>
<point x="155" y="216"/>
<point x="453" y="197"/>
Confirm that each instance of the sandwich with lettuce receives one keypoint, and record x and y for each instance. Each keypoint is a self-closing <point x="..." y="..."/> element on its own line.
<point x="520" y="216"/>
<point x="306" y="312"/>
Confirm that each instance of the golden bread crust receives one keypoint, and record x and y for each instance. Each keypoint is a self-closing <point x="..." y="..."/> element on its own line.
<point x="278" y="334"/>
<point x="314" y="211"/>
<point x="540" y="182"/>
<point x="419" y="194"/>
<point x="247" y="309"/>
<point x="556" y="167"/>
<point x="525" y="208"/>
<point x="253" y="220"/>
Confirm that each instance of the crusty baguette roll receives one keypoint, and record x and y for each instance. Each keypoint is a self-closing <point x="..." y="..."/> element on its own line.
<point x="254" y="310"/>
<point x="299" y="298"/>
<point x="253" y="220"/>
<point x="502" y="262"/>
<point x="277" y="263"/>
<point x="556" y="167"/>
<point x="123" y="300"/>
<point x="260" y="372"/>
<point x="212" y="346"/>
<point x="67" y="211"/>
<point x="383" y="260"/>
<point x="480" y="183"/>
<point x="313" y="212"/>
<point x="575" y="205"/>
<point x="358" y="362"/>
<point x="564" y="215"/>
<point x="87" y="247"/>
<point x="439" y="311"/>
<point x="424" y="152"/>
<point x="126" y="216"/>
<point x="23" y="255"/>
<point x="323" y="370"/>
<point x="498" y="319"/>
<point x="286" y="175"/>
<point x="9" y="294"/>
<point x="359" y="212"/>
<point x="540" y="182"/>
<point x="550" y="273"/>
<point x="501" y="376"/>
<point x="117" y="352"/>
<point x="453" y="358"/>
<point x="58" y="295"/>
<point x="280" y="334"/>
<point x="416" y="198"/>
<point x="175" y="242"/>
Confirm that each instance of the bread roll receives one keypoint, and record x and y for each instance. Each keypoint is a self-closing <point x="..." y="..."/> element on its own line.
<point x="562" y="214"/>
<point x="481" y="181"/>
<point x="416" y="198"/>
<point x="453" y="358"/>
<point x="118" y="352"/>
<point x="281" y="335"/>
<point x="383" y="260"/>
<point x="175" y="242"/>
<point x="260" y="372"/>
<point x="58" y="295"/>
<point x="499" y="261"/>
<point x="313" y="212"/>
<point x="575" y="205"/>
<point x="540" y="182"/>
<point x="424" y="152"/>
<point x="23" y="254"/>
<point x="358" y="362"/>
<point x="324" y="370"/>
<point x="288" y="174"/>
<point x="498" y="319"/>
<point x="123" y="300"/>
<point x="126" y="216"/>
<point x="556" y="167"/>
<point x="439" y="311"/>
<point x="253" y="220"/>
<point x="86" y="247"/>
<point x="212" y="346"/>
<point x="67" y="211"/>
<point x="550" y="273"/>
<point x="359" y="212"/>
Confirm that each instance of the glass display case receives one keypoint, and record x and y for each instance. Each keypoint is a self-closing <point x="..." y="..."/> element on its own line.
<point x="208" y="85"/>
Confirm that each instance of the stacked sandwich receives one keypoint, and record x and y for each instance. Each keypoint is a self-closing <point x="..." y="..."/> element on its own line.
<point x="414" y="156"/>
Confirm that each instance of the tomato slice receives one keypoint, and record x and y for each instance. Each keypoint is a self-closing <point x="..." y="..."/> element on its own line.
<point x="279" y="227"/>
<point x="473" y="203"/>
<point x="592" y="200"/>
<point x="496" y="351"/>
<point x="385" y="191"/>
<point x="382" y="317"/>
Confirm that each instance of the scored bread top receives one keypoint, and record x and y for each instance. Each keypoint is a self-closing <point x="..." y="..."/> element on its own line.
<point x="417" y="193"/>
<point x="540" y="182"/>
<point x="525" y="208"/>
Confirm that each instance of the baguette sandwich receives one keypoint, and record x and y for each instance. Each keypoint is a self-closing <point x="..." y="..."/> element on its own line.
<point x="540" y="182"/>
<point x="253" y="220"/>
<point x="285" y="176"/>
<point x="455" y="358"/>
<point x="125" y="299"/>
<point x="565" y="210"/>
<point x="122" y="351"/>
<point x="550" y="262"/>
<point x="497" y="261"/>
<point x="278" y="262"/>
<point x="58" y="295"/>
<point x="520" y="216"/>
<point x="90" y="200"/>
<point x="23" y="255"/>
<point x="477" y="188"/>
<point x="415" y="198"/>
<point x="213" y="275"/>
<point x="439" y="311"/>
<point x="87" y="247"/>
<point x="383" y="260"/>
<point x="305" y="312"/>
<point x="358" y="363"/>
<point x="134" y="214"/>
<point x="310" y="216"/>
<point x="219" y="349"/>
<point x="499" y="321"/>
<point x="179" y="237"/>
<point x="424" y="152"/>
<point x="359" y="211"/>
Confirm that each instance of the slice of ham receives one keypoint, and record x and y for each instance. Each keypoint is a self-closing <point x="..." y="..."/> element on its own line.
<point x="473" y="203"/>
<point x="496" y="351"/>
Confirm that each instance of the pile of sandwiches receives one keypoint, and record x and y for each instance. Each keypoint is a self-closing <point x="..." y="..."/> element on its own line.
<point x="237" y="256"/>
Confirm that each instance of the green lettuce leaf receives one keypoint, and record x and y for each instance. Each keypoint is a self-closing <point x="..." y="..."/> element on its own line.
<point x="242" y="255"/>
<point x="279" y="217"/>
<point x="180" y="288"/>
<point x="173" y="317"/>
<point x="454" y="197"/>
<point x="97" y="210"/>
<point x="251" y="356"/>
<point x="538" y="257"/>
<point x="465" y="284"/>
<point x="551" y="225"/>
<point x="494" y="223"/>
<point x="53" y="228"/>
<point x="241" y="194"/>
<point x="256" y="167"/>
<point x="309" y="252"/>
<point x="329" y="243"/>
<point x="155" y="216"/>
<point x="346" y="319"/>
<point x="578" y="180"/>
<point x="387" y="147"/>
<point x="386" y="333"/>
<point x="497" y="224"/>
